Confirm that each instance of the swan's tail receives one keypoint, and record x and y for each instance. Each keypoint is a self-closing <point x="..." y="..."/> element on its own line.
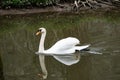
<point x="85" y="49"/>
<point x="79" y="48"/>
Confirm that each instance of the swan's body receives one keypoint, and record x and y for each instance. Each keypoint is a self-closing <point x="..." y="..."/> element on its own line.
<point x="65" y="46"/>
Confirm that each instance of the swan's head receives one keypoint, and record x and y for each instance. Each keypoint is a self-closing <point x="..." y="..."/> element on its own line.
<point x="40" y="31"/>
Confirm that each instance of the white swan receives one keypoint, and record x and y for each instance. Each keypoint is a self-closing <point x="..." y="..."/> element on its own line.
<point x="62" y="51"/>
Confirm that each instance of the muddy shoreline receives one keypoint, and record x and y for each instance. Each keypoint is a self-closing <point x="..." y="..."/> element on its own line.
<point x="29" y="11"/>
<point x="52" y="9"/>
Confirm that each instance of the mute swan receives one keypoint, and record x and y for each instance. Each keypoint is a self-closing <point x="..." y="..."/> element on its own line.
<point x="62" y="51"/>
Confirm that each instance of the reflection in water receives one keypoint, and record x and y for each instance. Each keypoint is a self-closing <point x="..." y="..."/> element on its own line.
<point x="19" y="44"/>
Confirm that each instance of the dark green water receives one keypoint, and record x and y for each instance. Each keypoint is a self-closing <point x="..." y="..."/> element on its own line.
<point x="18" y="45"/>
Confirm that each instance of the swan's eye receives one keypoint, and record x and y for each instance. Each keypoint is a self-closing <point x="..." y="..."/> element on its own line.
<point x="40" y="30"/>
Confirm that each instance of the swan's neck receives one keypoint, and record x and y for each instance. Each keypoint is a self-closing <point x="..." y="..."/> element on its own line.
<point x="42" y="57"/>
<point x="41" y="45"/>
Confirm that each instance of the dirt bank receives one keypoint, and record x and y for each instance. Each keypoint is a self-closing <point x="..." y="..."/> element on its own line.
<point x="29" y="11"/>
<point x="50" y="9"/>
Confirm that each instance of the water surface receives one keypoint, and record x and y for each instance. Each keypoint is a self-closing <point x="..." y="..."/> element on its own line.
<point x="18" y="45"/>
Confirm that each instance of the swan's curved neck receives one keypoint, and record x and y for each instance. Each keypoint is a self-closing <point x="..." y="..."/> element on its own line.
<point x="41" y="45"/>
<point x="42" y="57"/>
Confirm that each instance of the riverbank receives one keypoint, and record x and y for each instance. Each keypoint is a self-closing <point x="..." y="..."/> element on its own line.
<point x="66" y="8"/>
<point x="30" y="11"/>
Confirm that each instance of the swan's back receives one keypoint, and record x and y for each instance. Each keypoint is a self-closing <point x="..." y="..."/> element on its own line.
<point x="64" y="44"/>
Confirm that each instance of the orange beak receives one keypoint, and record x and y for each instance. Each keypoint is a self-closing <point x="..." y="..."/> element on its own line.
<point x="37" y="33"/>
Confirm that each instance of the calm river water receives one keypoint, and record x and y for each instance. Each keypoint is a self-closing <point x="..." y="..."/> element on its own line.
<point x="18" y="45"/>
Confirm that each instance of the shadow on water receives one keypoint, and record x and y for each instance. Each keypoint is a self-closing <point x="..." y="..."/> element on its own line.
<point x="18" y="45"/>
